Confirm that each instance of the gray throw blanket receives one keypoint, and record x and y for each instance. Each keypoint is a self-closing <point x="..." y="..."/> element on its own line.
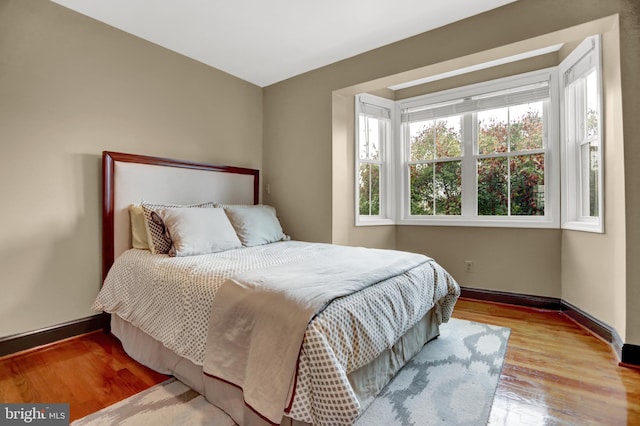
<point x="259" y="317"/>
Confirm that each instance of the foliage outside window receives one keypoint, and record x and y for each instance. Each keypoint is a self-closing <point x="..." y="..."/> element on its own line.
<point x="511" y="161"/>
<point x="435" y="167"/>
<point x="370" y="165"/>
<point x="480" y="155"/>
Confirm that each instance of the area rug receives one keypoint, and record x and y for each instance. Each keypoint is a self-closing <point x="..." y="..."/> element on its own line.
<point x="452" y="381"/>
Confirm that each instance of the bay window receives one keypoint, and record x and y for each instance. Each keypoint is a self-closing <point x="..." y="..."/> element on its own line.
<point x="488" y="154"/>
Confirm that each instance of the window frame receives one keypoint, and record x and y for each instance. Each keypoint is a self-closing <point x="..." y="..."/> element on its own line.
<point x="387" y="178"/>
<point x="469" y="216"/>
<point x="572" y="196"/>
<point x="407" y="163"/>
<point x="563" y="202"/>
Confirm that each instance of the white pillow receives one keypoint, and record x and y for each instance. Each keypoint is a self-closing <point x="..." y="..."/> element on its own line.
<point x="198" y="231"/>
<point x="255" y="225"/>
<point x="157" y="237"/>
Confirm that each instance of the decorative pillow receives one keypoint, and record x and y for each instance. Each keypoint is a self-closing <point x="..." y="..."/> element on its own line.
<point x="156" y="232"/>
<point x="139" y="238"/>
<point x="198" y="231"/>
<point x="255" y="225"/>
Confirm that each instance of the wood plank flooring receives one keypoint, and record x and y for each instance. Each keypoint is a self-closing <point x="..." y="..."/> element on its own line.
<point x="89" y="372"/>
<point x="555" y="372"/>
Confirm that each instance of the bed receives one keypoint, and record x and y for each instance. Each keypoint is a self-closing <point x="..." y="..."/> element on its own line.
<point x="232" y="321"/>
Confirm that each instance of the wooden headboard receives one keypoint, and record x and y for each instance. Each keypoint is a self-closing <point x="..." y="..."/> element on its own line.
<point x="129" y="179"/>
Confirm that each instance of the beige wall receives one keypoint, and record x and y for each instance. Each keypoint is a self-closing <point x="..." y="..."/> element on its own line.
<point x="305" y="164"/>
<point x="524" y="261"/>
<point x="630" y="69"/>
<point x="70" y="88"/>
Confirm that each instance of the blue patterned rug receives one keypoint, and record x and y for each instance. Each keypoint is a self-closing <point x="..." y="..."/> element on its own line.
<point x="451" y="383"/>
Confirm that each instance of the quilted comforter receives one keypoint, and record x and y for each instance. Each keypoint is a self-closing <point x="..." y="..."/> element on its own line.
<point x="171" y="299"/>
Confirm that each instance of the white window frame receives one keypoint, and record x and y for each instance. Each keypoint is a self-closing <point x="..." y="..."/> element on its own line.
<point x="469" y="216"/>
<point x="585" y="58"/>
<point x="387" y="204"/>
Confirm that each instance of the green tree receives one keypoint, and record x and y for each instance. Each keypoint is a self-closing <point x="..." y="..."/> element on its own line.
<point x="369" y="182"/>
<point x="519" y="177"/>
<point x="436" y="184"/>
<point x="436" y="187"/>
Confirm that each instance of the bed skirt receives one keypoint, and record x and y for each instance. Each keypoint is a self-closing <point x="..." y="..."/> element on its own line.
<point x="366" y="381"/>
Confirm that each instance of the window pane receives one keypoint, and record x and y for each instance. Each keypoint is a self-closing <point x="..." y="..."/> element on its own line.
<point x="492" y="131"/>
<point x="514" y="128"/>
<point x="421" y="181"/>
<point x="448" y="188"/>
<point x="527" y="185"/>
<point x="526" y="127"/>
<point x="493" y="187"/>
<point x="448" y="137"/>
<point x="433" y="139"/>
<point x="370" y="135"/>
<point x="589" y="167"/>
<point x="422" y="135"/>
<point x="369" y="181"/>
<point x="592" y="104"/>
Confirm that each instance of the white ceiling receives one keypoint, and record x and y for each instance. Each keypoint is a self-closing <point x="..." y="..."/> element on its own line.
<point x="264" y="41"/>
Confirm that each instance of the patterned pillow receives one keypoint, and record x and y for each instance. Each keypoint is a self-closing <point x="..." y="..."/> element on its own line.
<point x="159" y="241"/>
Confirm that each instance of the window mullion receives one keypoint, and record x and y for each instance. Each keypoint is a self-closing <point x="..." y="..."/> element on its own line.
<point x="469" y="168"/>
<point x="511" y="154"/>
<point x="434" y="199"/>
<point x="370" y="188"/>
<point x="403" y="171"/>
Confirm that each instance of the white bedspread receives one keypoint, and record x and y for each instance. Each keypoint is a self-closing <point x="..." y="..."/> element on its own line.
<point x="171" y="299"/>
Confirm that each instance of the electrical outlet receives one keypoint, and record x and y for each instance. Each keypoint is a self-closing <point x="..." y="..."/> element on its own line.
<point x="468" y="266"/>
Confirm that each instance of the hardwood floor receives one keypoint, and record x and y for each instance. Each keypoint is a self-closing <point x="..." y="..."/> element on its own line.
<point x="89" y="372"/>
<point x="555" y="372"/>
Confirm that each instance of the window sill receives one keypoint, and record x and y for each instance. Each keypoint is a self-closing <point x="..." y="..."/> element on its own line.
<point x="536" y="223"/>
<point x="595" y="227"/>
<point x="374" y="222"/>
<point x="483" y="222"/>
